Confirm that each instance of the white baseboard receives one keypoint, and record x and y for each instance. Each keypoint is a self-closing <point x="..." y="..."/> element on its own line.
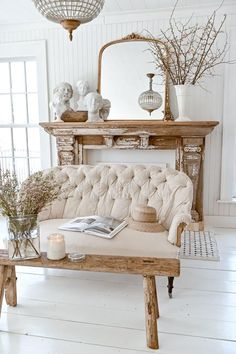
<point x="220" y="221"/>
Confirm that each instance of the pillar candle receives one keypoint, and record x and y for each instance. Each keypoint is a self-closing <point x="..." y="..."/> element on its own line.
<point x="56" y="247"/>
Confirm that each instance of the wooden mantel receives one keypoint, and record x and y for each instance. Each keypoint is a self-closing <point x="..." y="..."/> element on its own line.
<point x="128" y="127"/>
<point x="186" y="138"/>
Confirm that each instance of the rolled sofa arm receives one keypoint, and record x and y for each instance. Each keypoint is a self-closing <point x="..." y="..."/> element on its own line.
<point x="179" y="221"/>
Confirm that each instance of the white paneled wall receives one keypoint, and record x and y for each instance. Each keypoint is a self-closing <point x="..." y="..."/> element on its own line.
<point x="78" y="60"/>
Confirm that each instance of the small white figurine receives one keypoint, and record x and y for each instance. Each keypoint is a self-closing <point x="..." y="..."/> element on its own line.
<point x="94" y="103"/>
<point x="82" y="89"/>
<point x="61" y="100"/>
<point x="105" y="110"/>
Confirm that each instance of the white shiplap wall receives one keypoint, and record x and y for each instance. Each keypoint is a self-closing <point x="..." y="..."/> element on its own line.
<point x="78" y="60"/>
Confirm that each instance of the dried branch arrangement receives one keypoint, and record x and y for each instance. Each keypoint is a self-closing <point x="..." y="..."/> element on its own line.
<point x="29" y="198"/>
<point x="21" y="204"/>
<point x="193" y="49"/>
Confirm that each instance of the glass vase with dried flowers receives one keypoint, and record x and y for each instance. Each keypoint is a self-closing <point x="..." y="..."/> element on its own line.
<point x="21" y="205"/>
<point x="194" y="51"/>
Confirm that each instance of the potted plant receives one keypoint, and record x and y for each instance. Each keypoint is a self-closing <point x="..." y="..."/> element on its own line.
<point x="21" y="205"/>
<point x="193" y="54"/>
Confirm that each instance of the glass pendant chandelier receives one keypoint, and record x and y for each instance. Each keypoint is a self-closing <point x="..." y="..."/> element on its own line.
<point x="70" y="14"/>
<point x="150" y="100"/>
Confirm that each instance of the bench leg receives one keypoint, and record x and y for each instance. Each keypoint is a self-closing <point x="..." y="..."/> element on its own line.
<point x="3" y="276"/>
<point x="155" y="297"/>
<point x="150" y="300"/>
<point x="10" y="287"/>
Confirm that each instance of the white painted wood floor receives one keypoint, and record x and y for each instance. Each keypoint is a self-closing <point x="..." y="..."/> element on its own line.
<point x="70" y="312"/>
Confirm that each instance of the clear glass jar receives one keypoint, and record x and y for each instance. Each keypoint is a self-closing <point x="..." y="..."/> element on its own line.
<point x="23" y="237"/>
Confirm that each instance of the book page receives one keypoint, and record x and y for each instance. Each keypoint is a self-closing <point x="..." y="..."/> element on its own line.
<point x="104" y="225"/>
<point x="79" y="224"/>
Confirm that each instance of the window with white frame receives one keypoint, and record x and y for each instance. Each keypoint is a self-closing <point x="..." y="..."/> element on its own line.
<point x="23" y="104"/>
<point x="19" y="133"/>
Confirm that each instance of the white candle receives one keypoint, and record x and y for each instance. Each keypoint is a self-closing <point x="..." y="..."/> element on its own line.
<point x="56" y="247"/>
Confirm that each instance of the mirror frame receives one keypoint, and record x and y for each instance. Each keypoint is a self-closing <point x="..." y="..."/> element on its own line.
<point x="135" y="37"/>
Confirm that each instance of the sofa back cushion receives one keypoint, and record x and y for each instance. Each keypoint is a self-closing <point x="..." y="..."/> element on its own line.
<point x="114" y="190"/>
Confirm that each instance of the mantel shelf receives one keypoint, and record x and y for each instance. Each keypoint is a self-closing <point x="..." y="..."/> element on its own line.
<point x="130" y="127"/>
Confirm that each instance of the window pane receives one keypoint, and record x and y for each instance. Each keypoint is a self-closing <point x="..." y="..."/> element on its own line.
<point x="33" y="142"/>
<point x="35" y="165"/>
<point x="5" y="78"/>
<point x="5" y="142"/>
<point x="19" y="108"/>
<point x="31" y="76"/>
<point x="5" y="111"/>
<point x="5" y="149"/>
<point x="6" y="163"/>
<point x="18" y="77"/>
<point x="21" y="168"/>
<point x="19" y="142"/>
<point x="33" y="108"/>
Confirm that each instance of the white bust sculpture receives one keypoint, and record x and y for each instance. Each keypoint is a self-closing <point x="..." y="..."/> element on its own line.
<point x="82" y="89"/>
<point x="94" y="103"/>
<point x="105" y="110"/>
<point x="61" y="100"/>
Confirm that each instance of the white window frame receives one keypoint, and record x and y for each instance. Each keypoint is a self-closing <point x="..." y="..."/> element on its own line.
<point x="37" y="51"/>
<point x="228" y="165"/>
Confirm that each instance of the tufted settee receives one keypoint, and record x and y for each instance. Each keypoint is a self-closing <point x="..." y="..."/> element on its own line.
<point x="114" y="190"/>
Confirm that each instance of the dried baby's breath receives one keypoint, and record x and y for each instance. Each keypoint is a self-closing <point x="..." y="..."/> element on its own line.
<point x="9" y="190"/>
<point x="29" y="197"/>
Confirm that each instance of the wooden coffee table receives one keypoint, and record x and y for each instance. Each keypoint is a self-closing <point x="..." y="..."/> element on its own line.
<point x="146" y="266"/>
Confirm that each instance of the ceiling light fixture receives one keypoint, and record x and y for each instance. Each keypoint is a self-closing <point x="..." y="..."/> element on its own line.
<point x="70" y="14"/>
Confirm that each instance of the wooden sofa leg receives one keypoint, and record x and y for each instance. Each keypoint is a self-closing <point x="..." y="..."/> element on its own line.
<point x="3" y="276"/>
<point x="10" y="286"/>
<point x="150" y="311"/>
<point x="170" y="286"/>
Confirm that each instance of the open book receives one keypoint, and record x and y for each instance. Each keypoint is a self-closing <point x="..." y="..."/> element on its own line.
<point x="106" y="227"/>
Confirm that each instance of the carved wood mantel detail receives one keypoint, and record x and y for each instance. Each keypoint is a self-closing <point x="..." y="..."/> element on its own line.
<point x="186" y="138"/>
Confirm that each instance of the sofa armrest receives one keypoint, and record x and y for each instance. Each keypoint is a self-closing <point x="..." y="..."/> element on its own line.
<point x="179" y="221"/>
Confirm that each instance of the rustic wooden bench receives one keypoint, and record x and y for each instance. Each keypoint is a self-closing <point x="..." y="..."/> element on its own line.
<point x="147" y="267"/>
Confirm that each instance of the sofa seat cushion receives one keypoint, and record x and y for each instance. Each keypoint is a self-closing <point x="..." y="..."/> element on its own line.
<point x="127" y="242"/>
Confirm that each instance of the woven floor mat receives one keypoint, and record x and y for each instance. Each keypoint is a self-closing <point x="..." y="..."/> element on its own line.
<point x="199" y="245"/>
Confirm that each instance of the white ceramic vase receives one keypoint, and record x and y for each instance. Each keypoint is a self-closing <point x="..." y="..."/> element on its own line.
<point x="183" y="97"/>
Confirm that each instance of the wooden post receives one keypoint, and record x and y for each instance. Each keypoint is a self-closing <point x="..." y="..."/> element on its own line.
<point x="3" y="274"/>
<point x="65" y="149"/>
<point x="10" y="286"/>
<point x="150" y="300"/>
<point x="192" y="165"/>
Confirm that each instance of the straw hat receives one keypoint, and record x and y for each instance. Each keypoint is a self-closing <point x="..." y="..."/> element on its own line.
<point x="144" y="218"/>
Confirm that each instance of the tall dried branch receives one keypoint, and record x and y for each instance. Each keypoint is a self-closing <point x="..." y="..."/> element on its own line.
<point x="193" y="50"/>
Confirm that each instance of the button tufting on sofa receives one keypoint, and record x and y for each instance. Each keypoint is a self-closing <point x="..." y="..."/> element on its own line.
<point x="168" y="190"/>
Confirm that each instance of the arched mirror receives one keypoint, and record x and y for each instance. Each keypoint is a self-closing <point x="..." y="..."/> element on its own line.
<point x="126" y="68"/>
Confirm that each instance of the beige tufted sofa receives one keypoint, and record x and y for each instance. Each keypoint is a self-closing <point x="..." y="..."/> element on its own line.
<point x="114" y="190"/>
